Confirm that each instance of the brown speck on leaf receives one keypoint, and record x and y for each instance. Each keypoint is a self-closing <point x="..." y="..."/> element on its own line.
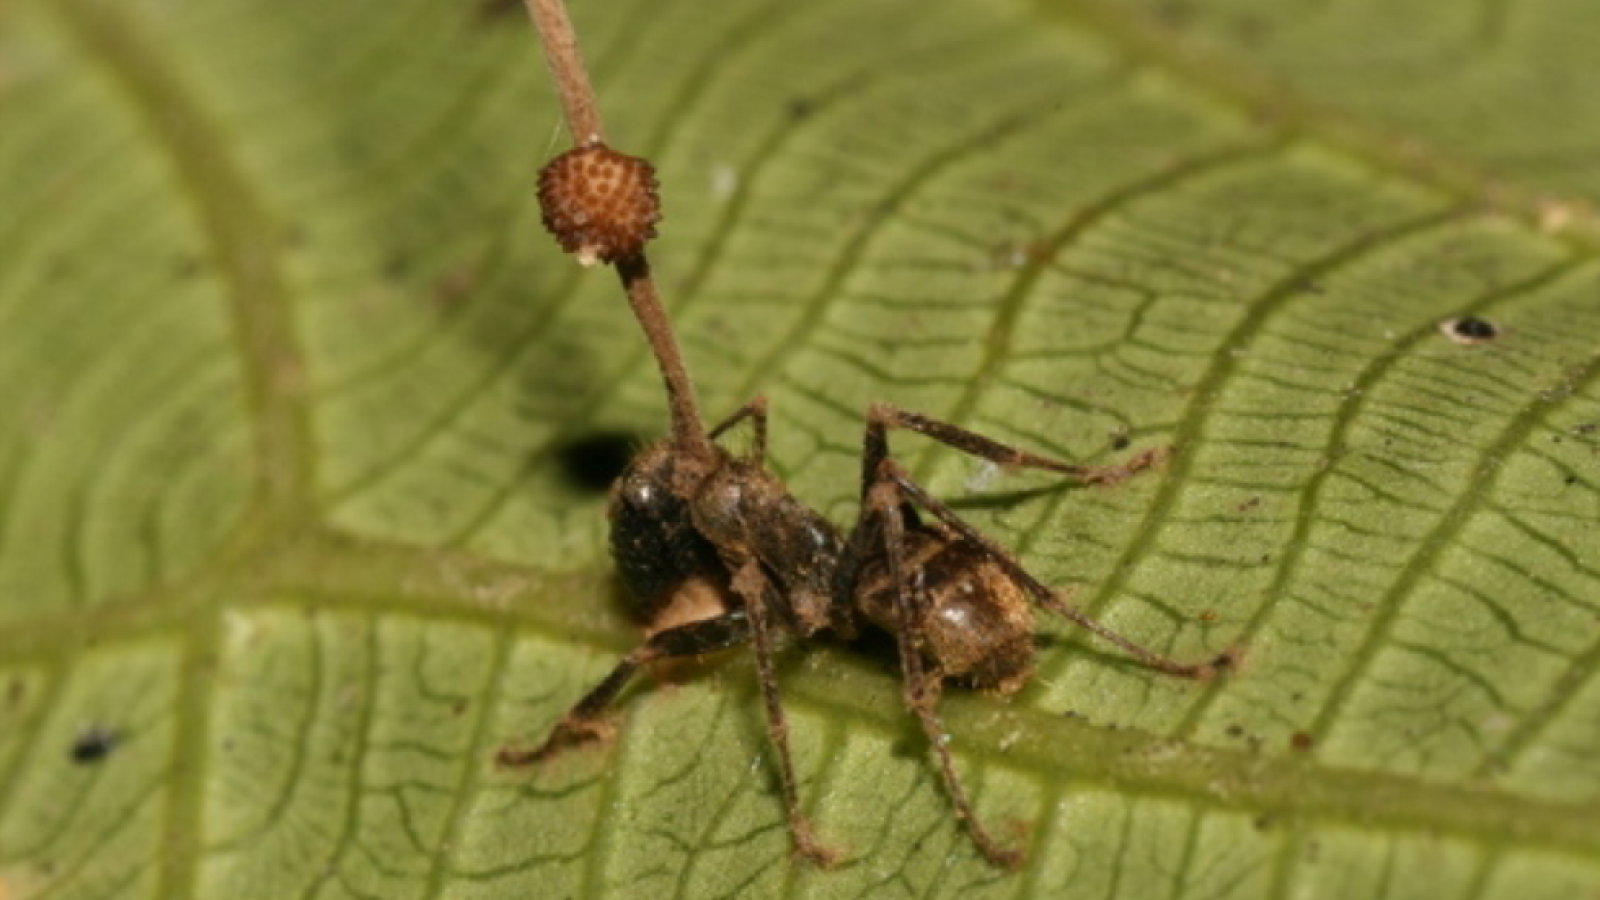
<point x="1300" y="741"/>
<point x="600" y="204"/>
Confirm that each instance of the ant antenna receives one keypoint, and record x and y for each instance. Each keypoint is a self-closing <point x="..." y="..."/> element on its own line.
<point x="602" y="206"/>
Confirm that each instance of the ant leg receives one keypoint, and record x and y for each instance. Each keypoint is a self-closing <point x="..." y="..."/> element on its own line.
<point x="756" y="411"/>
<point x="883" y="416"/>
<point x="876" y="466"/>
<point x="583" y="723"/>
<point x="922" y="689"/>
<point x="1049" y="599"/>
<point x="751" y="585"/>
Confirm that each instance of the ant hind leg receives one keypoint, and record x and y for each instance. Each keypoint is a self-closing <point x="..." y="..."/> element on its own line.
<point x="1043" y="594"/>
<point x="879" y="466"/>
<point x="883" y="416"/>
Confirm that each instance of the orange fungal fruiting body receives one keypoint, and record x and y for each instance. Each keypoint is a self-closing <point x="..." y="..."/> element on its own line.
<point x="599" y="204"/>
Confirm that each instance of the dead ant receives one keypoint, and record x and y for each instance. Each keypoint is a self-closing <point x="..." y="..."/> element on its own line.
<point x="691" y="521"/>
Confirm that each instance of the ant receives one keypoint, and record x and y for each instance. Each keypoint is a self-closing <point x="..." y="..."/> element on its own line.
<point x="692" y="521"/>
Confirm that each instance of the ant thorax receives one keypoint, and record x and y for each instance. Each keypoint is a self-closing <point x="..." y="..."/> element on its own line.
<point x="748" y="513"/>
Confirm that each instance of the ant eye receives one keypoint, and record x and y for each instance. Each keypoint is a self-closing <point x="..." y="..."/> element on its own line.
<point x="600" y="204"/>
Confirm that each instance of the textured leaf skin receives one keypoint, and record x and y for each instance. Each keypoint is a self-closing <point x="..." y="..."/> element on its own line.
<point x="296" y="396"/>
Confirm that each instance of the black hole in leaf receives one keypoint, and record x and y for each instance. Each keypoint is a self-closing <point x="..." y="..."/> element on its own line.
<point x="1469" y="330"/>
<point x="94" y="744"/>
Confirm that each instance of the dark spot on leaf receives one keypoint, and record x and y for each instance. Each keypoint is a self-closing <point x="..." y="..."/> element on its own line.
<point x="1235" y="731"/>
<point x="94" y="744"/>
<point x="1121" y="441"/>
<point x="1301" y="741"/>
<point x="1469" y="330"/>
<point x="1265" y="821"/>
<point x="800" y="107"/>
<point x="593" y="461"/>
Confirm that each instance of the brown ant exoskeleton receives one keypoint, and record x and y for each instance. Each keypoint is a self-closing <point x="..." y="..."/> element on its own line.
<point x="719" y="553"/>
<point x="692" y="522"/>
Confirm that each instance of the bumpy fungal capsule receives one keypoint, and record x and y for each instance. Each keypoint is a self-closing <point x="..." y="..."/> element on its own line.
<point x="600" y="204"/>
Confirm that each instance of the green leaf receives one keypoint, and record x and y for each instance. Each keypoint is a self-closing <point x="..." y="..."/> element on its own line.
<point x="299" y="403"/>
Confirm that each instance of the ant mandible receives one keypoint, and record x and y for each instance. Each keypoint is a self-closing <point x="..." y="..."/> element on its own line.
<point x="691" y="519"/>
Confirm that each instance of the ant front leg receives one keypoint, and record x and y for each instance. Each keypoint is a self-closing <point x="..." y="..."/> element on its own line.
<point x="756" y="411"/>
<point x="877" y="467"/>
<point x="583" y="723"/>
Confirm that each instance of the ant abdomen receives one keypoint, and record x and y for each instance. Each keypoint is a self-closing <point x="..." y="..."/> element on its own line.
<point x="975" y="620"/>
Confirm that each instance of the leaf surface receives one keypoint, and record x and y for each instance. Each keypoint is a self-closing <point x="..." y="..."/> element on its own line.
<point x="308" y="426"/>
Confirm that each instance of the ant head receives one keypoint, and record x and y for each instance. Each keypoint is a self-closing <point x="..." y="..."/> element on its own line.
<point x="653" y="539"/>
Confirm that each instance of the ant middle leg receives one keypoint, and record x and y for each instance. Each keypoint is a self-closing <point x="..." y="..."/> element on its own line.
<point x="583" y="723"/>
